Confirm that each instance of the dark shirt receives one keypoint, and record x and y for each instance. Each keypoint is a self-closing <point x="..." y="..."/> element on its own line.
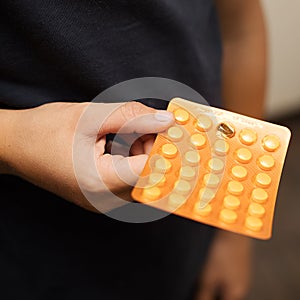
<point x="62" y="50"/>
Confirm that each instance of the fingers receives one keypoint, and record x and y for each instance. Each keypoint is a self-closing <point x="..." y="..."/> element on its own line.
<point x="135" y="117"/>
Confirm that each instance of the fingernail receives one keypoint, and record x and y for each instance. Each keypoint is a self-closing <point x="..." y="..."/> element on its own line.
<point x="164" y="116"/>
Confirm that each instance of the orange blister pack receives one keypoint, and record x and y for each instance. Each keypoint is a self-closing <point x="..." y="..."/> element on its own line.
<point x="216" y="167"/>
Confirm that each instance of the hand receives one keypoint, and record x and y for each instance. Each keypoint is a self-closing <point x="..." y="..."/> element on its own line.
<point x="43" y="145"/>
<point x="227" y="271"/>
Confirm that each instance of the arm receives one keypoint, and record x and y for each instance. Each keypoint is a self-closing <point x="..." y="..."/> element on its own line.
<point x="243" y="34"/>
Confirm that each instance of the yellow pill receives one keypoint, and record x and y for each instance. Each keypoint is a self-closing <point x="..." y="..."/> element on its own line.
<point x="169" y="150"/>
<point x="271" y="143"/>
<point x="157" y="179"/>
<point x="176" y="200"/>
<point x="175" y="133"/>
<point x="187" y="173"/>
<point x="152" y="193"/>
<point x="243" y="155"/>
<point x="163" y="165"/>
<point x="239" y="172"/>
<point x="254" y="223"/>
<point x="248" y="136"/>
<point x="216" y="165"/>
<point x="182" y="187"/>
<point x="192" y="158"/>
<point x="221" y="147"/>
<point x="203" y="211"/>
<point x="235" y="188"/>
<point x="259" y="195"/>
<point x="203" y="123"/>
<point x="181" y="116"/>
<point x="206" y="195"/>
<point x="256" y="210"/>
<point x="228" y="216"/>
<point x="231" y="202"/>
<point x="211" y="180"/>
<point x="263" y="180"/>
<point x="198" y="140"/>
<point x="266" y="162"/>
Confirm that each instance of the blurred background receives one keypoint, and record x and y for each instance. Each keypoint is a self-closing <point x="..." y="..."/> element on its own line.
<point x="277" y="261"/>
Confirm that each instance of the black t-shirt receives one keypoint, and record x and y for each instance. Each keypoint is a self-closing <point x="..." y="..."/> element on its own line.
<point x="63" y="50"/>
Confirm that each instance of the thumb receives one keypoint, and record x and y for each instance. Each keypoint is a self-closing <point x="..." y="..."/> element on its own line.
<point x="119" y="172"/>
<point x="134" y="117"/>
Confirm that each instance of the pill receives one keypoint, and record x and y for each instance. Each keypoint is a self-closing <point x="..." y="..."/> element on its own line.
<point x="182" y="187"/>
<point x="243" y="155"/>
<point x="221" y="147"/>
<point x="256" y="210"/>
<point x="259" y="195"/>
<point x="181" y="116"/>
<point x="203" y="210"/>
<point x="239" y="172"/>
<point x="263" y="180"/>
<point x="228" y="216"/>
<point x="169" y="150"/>
<point x="152" y="193"/>
<point x="187" y="173"/>
<point x="211" y="180"/>
<point x="175" y="133"/>
<point x="231" y="202"/>
<point x="266" y="162"/>
<point x="235" y="188"/>
<point x="206" y="195"/>
<point x="176" y="200"/>
<point x="203" y="123"/>
<point x="216" y="165"/>
<point x="192" y="158"/>
<point x="198" y="140"/>
<point x="271" y="142"/>
<point x="253" y="223"/>
<point x="248" y="136"/>
<point x="163" y="165"/>
<point x="226" y="130"/>
<point x="157" y="179"/>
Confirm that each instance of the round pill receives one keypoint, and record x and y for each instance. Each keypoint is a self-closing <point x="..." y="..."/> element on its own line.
<point x="203" y="210"/>
<point x="271" y="142"/>
<point x="263" y="180"/>
<point x="243" y="155"/>
<point x="187" y="173"/>
<point x="157" y="179"/>
<point x="206" y="195"/>
<point x="248" y="136"/>
<point x="216" y="165"/>
<point x="176" y="200"/>
<point x="221" y="147"/>
<point x="169" y="150"/>
<point x="239" y="172"/>
<point x="192" y="158"/>
<point x="254" y="223"/>
<point x="198" y="140"/>
<point x="163" y="165"/>
<point x="235" y="188"/>
<point x="228" y="216"/>
<point x="175" y="133"/>
<point x="203" y="123"/>
<point x="259" y="195"/>
<point x="256" y="210"/>
<point x="211" y="180"/>
<point x="181" y="116"/>
<point x="266" y="162"/>
<point x="152" y="193"/>
<point x="231" y="202"/>
<point x="182" y="187"/>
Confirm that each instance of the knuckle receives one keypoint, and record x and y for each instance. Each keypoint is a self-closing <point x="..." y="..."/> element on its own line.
<point x="132" y="109"/>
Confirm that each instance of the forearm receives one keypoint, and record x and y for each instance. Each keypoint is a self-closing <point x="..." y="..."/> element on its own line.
<point x="244" y="59"/>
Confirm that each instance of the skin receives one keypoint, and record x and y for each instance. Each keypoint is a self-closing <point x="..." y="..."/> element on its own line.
<point x="228" y="268"/>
